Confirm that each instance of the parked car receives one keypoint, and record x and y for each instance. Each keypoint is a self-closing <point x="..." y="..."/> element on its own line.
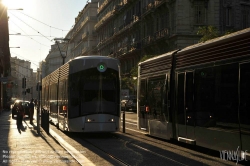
<point x="132" y="105"/>
<point x="25" y="105"/>
<point x="125" y="100"/>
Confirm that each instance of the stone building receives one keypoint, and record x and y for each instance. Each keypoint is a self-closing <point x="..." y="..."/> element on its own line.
<point x="130" y="29"/>
<point x="81" y="40"/>
<point x="22" y="69"/>
<point x="82" y="37"/>
<point x="54" y="59"/>
<point x="4" y="55"/>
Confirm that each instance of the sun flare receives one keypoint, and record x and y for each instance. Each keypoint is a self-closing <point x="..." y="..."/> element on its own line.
<point x="12" y="3"/>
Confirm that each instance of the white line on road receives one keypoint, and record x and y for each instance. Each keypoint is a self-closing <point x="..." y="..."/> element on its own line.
<point x="135" y="130"/>
<point x="76" y="154"/>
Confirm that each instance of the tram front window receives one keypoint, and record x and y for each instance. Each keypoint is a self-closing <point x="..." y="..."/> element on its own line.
<point x="100" y="92"/>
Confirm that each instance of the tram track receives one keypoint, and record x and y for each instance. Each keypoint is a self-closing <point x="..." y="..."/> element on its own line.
<point x="120" y="149"/>
<point x="143" y="151"/>
<point x="120" y="161"/>
<point x="175" y="147"/>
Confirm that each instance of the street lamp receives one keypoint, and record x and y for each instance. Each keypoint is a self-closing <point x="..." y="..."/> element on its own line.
<point x="16" y="34"/>
<point x="135" y="88"/>
<point x="63" y="54"/>
<point x="15" y="9"/>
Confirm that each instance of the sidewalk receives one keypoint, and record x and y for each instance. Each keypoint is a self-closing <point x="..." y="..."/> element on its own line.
<point x="29" y="148"/>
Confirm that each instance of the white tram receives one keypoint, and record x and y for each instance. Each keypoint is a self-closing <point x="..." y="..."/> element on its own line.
<point x="83" y="95"/>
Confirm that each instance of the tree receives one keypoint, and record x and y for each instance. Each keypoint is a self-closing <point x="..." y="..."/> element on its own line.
<point x="208" y="32"/>
<point x="128" y="82"/>
<point x="211" y="32"/>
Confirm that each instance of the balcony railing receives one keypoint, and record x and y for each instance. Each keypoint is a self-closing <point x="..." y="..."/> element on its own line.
<point x="148" y="8"/>
<point x="105" y="18"/>
<point x="148" y="40"/>
<point x="162" y="33"/>
<point x="103" y="6"/>
<point x="85" y="34"/>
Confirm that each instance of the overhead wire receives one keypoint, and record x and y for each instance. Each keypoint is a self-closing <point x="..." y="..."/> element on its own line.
<point x="42" y="22"/>
<point x="31" y="27"/>
<point x="26" y="34"/>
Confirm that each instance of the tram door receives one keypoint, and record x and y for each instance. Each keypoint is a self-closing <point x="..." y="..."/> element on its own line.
<point x="142" y="110"/>
<point x="185" y="105"/>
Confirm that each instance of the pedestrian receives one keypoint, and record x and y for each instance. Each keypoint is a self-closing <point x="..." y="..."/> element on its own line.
<point x="20" y="114"/>
<point x="31" y="109"/>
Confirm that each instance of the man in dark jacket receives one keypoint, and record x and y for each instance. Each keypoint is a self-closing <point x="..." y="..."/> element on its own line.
<point x="31" y="109"/>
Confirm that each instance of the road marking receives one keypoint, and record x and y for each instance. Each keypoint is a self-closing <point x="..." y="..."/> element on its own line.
<point x="135" y="130"/>
<point x="135" y="124"/>
<point x="132" y="120"/>
<point x="76" y="154"/>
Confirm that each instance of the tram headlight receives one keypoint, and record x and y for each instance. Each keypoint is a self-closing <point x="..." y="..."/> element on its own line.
<point x="111" y="120"/>
<point x="90" y="120"/>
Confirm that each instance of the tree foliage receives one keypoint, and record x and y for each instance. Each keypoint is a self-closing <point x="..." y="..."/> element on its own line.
<point x="129" y="81"/>
<point x="207" y="32"/>
<point x="211" y="32"/>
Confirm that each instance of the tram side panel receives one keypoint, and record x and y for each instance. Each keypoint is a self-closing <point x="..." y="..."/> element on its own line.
<point x="153" y="96"/>
<point x="211" y="93"/>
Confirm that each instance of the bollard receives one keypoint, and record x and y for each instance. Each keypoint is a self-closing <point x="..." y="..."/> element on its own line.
<point x="123" y="120"/>
<point x="47" y="122"/>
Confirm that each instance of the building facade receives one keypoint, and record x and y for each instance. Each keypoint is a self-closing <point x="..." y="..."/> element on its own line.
<point x="130" y="29"/>
<point x="4" y="55"/>
<point x="83" y="38"/>
<point x="54" y="59"/>
<point x="22" y="69"/>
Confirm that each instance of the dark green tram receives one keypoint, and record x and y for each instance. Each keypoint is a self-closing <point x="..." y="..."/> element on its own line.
<point x="200" y="94"/>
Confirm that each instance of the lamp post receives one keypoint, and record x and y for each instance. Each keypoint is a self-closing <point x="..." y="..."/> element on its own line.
<point x="63" y="54"/>
<point x="16" y="34"/>
<point x="135" y="88"/>
<point x="15" y="9"/>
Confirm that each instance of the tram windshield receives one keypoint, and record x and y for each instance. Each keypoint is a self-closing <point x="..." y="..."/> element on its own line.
<point x="96" y="92"/>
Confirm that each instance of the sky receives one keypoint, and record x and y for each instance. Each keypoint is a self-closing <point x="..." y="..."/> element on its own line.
<point x="39" y="23"/>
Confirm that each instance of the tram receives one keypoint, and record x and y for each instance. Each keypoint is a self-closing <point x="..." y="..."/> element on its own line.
<point x="199" y="95"/>
<point x="83" y="95"/>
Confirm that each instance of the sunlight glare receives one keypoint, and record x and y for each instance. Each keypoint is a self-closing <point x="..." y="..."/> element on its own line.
<point x="13" y="3"/>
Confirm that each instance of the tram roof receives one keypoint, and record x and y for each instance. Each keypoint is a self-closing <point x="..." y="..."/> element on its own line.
<point x="158" y="57"/>
<point x="216" y="41"/>
<point x="93" y="57"/>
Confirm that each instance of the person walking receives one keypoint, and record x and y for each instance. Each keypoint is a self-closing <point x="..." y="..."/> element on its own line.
<point x="20" y="114"/>
<point x="31" y="109"/>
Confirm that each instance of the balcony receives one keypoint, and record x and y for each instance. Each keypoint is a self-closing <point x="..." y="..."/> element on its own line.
<point x="148" y="9"/>
<point x="87" y="49"/>
<point x="84" y="35"/>
<point x="104" y="19"/>
<point x="123" y="28"/>
<point x="103" y="5"/>
<point x="162" y="33"/>
<point x="148" y="40"/>
<point x="78" y="43"/>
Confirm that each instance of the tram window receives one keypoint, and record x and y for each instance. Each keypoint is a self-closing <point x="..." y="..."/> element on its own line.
<point x="216" y="95"/>
<point x="156" y="98"/>
<point x="142" y="92"/>
<point x="180" y="99"/>
<point x="189" y="90"/>
<point x="74" y="85"/>
<point x="245" y="95"/>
